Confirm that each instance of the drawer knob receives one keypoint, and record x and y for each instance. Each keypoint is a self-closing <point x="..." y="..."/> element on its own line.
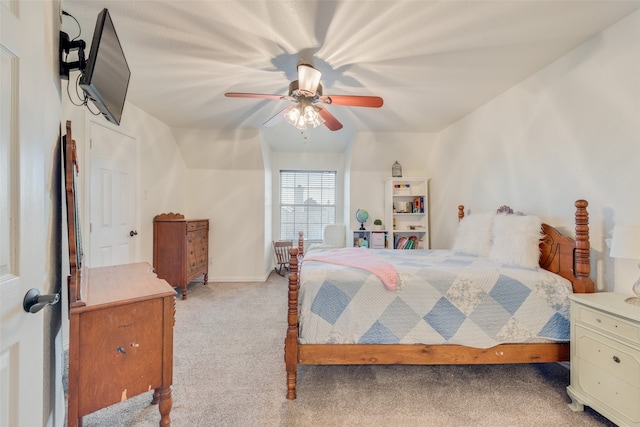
<point x="616" y="359"/>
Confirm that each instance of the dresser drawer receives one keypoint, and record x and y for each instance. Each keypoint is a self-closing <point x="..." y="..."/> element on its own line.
<point x="611" y="325"/>
<point x="613" y="392"/>
<point x="197" y="242"/>
<point x="616" y="359"/>
<point x="197" y="225"/>
<point x="126" y="343"/>
<point x="196" y="266"/>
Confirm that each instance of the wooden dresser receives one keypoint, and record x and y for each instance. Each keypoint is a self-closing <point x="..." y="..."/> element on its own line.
<point x="180" y="249"/>
<point x="120" y="339"/>
<point x="605" y="356"/>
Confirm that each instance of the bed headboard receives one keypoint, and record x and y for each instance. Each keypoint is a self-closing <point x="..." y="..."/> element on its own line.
<point x="563" y="255"/>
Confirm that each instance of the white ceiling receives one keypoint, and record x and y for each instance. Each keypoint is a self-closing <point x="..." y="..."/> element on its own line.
<point x="432" y="62"/>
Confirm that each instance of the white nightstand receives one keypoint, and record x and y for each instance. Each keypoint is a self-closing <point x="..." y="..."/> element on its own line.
<point x="605" y="356"/>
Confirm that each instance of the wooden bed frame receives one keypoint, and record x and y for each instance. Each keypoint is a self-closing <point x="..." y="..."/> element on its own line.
<point x="560" y="254"/>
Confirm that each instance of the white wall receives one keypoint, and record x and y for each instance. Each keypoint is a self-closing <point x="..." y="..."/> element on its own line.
<point x="372" y="157"/>
<point x="226" y="184"/>
<point x="570" y="131"/>
<point x="163" y="173"/>
<point x="268" y="257"/>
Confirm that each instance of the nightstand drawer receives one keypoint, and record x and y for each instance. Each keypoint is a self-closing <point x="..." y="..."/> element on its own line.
<point x="608" y="324"/>
<point x="616" y="359"/>
<point x="617" y="394"/>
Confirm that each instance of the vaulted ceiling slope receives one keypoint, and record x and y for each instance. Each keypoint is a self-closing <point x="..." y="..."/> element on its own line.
<point x="432" y="62"/>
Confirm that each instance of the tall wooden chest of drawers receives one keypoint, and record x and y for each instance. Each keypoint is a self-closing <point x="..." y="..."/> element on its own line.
<point x="180" y="249"/>
<point x="605" y="356"/>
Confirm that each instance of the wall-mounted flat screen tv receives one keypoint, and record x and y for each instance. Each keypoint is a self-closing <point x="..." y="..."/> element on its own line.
<point x="106" y="77"/>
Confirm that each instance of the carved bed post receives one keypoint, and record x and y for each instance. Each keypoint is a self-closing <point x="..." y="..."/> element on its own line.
<point x="582" y="259"/>
<point x="300" y="243"/>
<point x="291" y="340"/>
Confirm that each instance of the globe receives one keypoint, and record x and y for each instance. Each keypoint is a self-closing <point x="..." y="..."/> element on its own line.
<point x="362" y="216"/>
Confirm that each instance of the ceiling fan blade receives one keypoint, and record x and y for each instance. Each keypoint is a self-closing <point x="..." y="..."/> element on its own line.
<point x="353" y="101"/>
<point x="308" y="79"/>
<point x="329" y="119"/>
<point x="253" y="95"/>
<point x="278" y="117"/>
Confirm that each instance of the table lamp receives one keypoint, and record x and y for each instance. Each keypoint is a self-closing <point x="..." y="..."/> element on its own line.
<point x="625" y="243"/>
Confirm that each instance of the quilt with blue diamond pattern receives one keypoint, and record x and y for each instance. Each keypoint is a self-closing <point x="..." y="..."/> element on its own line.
<point x="443" y="297"/>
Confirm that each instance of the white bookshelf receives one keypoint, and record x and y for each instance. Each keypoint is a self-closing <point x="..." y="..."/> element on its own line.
<point x="376" y="239"/>
<point x="407" y="209"/>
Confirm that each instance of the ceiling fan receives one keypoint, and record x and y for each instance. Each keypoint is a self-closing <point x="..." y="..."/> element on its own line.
<point x="308" y="108"/>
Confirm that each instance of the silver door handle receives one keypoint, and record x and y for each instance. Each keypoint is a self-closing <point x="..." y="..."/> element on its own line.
<point x="34" y="302"/>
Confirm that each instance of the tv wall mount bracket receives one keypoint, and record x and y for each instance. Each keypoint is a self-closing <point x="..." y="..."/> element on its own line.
<point x="67" y="46"/>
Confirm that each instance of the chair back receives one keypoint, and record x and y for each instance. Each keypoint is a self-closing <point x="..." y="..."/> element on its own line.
<point x="281" y="249"/>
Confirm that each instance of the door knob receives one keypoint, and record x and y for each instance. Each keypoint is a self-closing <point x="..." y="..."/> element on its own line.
<point x="34" y="302"/>
<point x="133" y="233"/>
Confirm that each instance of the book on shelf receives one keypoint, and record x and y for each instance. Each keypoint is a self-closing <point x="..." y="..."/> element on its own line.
<point x="415" y="206"/>
<point x="402" y="242"/>
<point x="399" y="243"/>
<point x="418" y="205"/>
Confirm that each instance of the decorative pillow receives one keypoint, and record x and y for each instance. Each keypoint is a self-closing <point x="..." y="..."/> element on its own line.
<point x="334" y="235"/>
<point x="474" y="234"/>
<point x="516" y="240"/>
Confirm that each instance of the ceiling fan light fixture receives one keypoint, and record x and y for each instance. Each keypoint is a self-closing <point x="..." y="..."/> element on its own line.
<point x="303" y="115"/>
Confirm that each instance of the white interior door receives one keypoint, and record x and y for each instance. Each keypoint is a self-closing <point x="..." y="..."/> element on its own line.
<point x="21" y="268"/>
<point x="113" y="197"/>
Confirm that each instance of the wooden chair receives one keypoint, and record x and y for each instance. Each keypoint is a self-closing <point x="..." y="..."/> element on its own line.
<point x="281" y="249"/>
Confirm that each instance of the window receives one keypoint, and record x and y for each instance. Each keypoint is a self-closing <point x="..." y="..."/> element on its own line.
<point x="307" y="203"/>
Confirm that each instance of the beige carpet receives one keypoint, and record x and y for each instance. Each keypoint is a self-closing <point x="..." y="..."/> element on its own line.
<point x="229" y="371"/>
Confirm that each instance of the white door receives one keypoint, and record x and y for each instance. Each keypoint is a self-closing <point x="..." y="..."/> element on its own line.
<point x="113" y="197"/>
<point x="21" y="219"/>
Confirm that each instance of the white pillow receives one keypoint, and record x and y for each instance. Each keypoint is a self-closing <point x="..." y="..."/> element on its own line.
<point x="474" y="234"/>
<point x="516" y="240"/>
<point x="334" y="235"/>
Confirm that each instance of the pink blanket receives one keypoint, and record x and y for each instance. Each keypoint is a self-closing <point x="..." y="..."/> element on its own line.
<point x="363" y="259"/>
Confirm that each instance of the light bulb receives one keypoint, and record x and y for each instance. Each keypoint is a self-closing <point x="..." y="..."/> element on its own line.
<point x="300" y="123"/>
<point x="310" y="114"/>
<point x="292" y="115"/>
